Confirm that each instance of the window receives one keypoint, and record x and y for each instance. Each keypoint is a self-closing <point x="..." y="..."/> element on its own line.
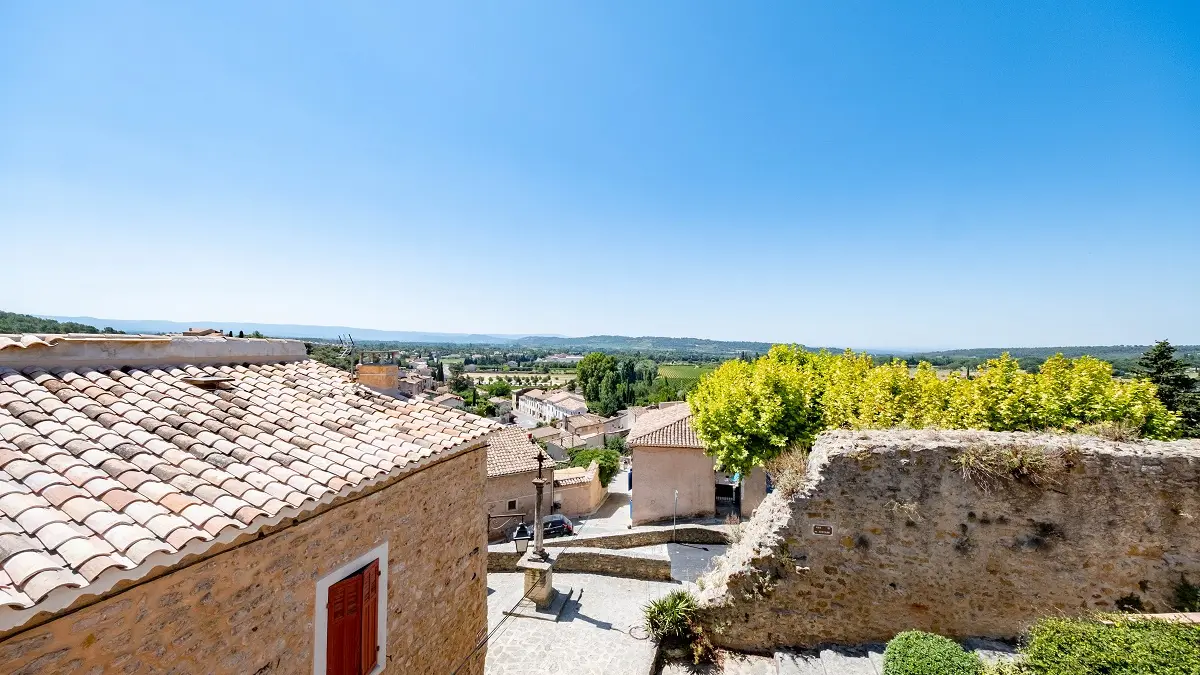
<point x="512" y="505"/>
<point x="350" y="628"/>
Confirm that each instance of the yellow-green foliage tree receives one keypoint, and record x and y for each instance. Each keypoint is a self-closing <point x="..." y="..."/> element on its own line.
<point x="747" y="413"/>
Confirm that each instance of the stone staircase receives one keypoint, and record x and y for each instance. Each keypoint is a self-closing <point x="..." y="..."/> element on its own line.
<point x="857" y="660"/>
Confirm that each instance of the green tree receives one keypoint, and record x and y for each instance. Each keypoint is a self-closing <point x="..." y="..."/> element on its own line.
<point x="1176" y="388"/>
<point x="499" y="387"/>
<point x="590" y="374"/>
<point x="748" y="413"/>
<point x="609" y="461"/>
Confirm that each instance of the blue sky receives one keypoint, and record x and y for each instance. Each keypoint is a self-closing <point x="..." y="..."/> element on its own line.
<point x="874" y="174"/>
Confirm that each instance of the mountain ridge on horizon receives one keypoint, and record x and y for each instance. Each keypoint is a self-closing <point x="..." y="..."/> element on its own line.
<point x="581" y="343"/>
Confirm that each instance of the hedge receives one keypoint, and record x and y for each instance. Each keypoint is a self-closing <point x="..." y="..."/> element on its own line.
<point x="1118" y="645"/>
<point x="917" y="653"/>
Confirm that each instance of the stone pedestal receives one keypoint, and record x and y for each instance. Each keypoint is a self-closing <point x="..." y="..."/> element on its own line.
<point x="542" y="599"/>
<point x="539" y="586"/>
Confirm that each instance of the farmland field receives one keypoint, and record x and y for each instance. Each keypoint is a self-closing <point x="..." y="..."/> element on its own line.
<point x="555" y="379"/>
<point x="685" y="371"/>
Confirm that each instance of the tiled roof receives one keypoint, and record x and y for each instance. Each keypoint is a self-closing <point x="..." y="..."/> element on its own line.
<point x="669" y="427"/>
<point x="510" y="451"/>
<point x="584" y="419"/>
<point x="574" y="476"/>
<point x="447" y="397"/>
<point x="30" y="340"/>
<point x="541" y="433"/>
<point x="567" y="397"/>
<point x="107" y="472"/>
<point x="535" y="394"/>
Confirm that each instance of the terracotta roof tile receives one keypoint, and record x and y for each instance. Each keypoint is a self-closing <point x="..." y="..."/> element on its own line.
<point x="510" y="451"/>
<point x="667" y="427"/>
<point x="104" y="467"/>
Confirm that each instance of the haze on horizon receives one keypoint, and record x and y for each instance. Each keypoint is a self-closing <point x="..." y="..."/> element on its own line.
<point x="903" y="175"/>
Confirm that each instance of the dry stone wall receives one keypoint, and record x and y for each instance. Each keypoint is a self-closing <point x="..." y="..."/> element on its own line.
<point x="250" y="610"/>
<point x="889" y="535"/>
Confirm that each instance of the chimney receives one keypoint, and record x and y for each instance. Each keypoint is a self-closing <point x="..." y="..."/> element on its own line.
<point x="379" y="370"/>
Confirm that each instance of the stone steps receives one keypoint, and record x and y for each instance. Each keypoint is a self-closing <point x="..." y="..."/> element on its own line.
<point x="861" y="660"/>
<point x="857" y="660"/>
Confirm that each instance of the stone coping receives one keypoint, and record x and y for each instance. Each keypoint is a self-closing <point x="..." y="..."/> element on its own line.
<point x="650" y="563"/>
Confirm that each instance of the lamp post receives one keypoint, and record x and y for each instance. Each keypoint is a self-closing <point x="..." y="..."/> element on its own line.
<point x="521" y="538"/>
<point x="539" y="484"/>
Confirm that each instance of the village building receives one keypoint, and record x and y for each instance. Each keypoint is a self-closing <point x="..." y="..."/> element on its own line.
<point x="549" y="406"/>
<point x="503" y="405"/>
<point x="673" y="477"/>
<point x="585" y="424"/>
<point x="512" y="464"/>
<point x="578" y="490"/>
<point x="223" y="505"/>
<point x="449" y="400"/>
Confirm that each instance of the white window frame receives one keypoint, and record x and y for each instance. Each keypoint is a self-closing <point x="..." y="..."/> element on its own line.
<point x="321" y="618"/>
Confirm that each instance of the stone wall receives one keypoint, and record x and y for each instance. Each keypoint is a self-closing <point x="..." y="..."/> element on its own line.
<point x="888" y="535"/>
<point x="518" y="486"/>
<point x="650" y="563"/>
<point x="250" y="610"/>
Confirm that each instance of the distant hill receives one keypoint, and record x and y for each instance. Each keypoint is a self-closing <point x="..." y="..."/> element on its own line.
<point x="1122" y="357"/>
<point x="23" y="323"/>
<point x="292" y="330"/>
<point x="650" y="344"/>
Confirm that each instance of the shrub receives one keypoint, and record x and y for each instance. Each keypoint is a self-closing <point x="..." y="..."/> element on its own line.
<point x="609" y="462"/>
<point x="671" y="619"/>
<point x="917" y="653"/>
<point x="1118" y="645"/>
<point x="670" y="616"/>
<point x="789" y="471"/>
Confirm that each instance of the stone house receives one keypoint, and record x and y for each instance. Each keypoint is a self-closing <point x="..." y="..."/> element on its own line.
<point x="585" y="424"/>
<point x="449" y="400"/>
<point x="668" y="458"/>
<point x="549" y="406"/>
<point x="511" y="467"/>
<point x="578" y="490"/>
<point x="503" y="405"/>
<point x="221" y="505"/>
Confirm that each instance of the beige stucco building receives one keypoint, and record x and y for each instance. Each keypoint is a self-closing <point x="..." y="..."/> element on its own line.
<point x="511" y="467"/>
<point x="220" y="505"/>
<point x="578" y="490"/>
<point x="673" y="477"/>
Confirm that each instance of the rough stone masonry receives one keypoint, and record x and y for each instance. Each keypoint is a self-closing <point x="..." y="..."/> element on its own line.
<point x="251" y="609"/>
<point x="889" y="534"/>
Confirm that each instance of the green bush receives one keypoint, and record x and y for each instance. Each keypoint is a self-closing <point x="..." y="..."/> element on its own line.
<point x="917" y="653"/>
<point x="670" y="616"/>
<point x="1124" y="645"/>
<point x="609" y="462"/>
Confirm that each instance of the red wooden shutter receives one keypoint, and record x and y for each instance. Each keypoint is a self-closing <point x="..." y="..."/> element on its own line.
<point x="370" y="617"/>
<point x="343" y="653"/>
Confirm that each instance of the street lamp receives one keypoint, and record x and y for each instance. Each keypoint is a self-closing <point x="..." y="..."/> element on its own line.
<point x="521" y="538"/>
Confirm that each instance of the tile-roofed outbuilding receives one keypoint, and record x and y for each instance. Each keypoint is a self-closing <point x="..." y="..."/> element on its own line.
<point x="578" y="475"/>
<point x="511" y="451"/>
<point x="121" y="454"/>
<point x="667" y="427"/>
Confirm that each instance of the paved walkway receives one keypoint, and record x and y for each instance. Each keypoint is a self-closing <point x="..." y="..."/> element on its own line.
<point x="598" y="633"/>
<point x="613" y="515"/>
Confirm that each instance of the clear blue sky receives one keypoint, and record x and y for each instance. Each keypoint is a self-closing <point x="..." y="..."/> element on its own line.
<point x="874" y="174"/>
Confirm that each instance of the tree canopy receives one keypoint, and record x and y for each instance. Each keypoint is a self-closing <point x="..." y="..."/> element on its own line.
<point x="746" y="413"/>
<point x="1176" y="388"/>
